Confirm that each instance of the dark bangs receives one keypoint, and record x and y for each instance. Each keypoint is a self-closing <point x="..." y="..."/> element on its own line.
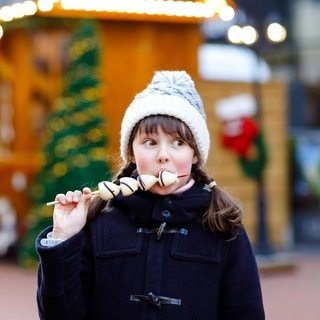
<point x="169" y="125"/>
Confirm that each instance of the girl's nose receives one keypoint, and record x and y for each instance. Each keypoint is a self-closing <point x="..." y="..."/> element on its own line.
<point x="163" y="152"/>
<point x="163" y="155"/>
<point x="163" y="158"/>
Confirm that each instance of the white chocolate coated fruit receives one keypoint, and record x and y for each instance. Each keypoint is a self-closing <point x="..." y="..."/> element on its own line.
<point x="128" y="185"/>
<point x="108" y="190"/>
<point x="167" y="178"/>
<point x="146" y="181"/>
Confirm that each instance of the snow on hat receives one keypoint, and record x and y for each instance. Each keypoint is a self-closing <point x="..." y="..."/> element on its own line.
<point x="170" y="93"/>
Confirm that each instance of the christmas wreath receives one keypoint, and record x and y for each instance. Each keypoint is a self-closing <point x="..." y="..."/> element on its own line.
<point x="241" y="133"/>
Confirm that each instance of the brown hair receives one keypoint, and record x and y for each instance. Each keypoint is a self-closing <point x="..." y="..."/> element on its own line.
<point x="224" y="213"/>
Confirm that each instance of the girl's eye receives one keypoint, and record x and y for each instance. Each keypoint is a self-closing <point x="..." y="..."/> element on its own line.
<point x="149" y="142"/>
<point x="178" y="142"/>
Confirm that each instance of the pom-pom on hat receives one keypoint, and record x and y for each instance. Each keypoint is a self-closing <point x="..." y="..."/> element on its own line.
<point x="171" y="93"/>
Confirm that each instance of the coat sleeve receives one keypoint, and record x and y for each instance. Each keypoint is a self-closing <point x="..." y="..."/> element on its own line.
<point x="64" y="279"/>
<point x="241" y="296"/>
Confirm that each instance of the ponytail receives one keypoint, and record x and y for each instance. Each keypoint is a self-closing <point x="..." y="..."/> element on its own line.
<point x="225" y="213"/>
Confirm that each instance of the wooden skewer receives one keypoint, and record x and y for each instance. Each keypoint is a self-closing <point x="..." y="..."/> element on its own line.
<point x="52" y="203"/>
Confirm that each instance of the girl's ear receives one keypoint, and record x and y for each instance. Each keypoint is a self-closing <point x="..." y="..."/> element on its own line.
<point x="132" y="158"/>
<point x="195" y="159"/>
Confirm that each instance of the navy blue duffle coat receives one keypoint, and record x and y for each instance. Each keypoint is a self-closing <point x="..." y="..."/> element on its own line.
<point x="148" y="256"/>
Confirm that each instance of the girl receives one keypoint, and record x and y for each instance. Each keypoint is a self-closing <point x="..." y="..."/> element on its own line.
<point x="173" y="252"/>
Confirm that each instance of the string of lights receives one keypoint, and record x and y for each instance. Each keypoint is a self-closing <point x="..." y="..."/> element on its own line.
<point x="197" y="9"/>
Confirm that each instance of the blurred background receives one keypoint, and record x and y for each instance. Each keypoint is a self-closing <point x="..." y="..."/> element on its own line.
<point x="69" y="69"/>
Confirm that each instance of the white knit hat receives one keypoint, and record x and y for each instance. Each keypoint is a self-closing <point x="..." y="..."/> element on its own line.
<point x="170" y="93"/>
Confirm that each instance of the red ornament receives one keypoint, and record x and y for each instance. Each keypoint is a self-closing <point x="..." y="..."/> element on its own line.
<point x="238" y="134"/>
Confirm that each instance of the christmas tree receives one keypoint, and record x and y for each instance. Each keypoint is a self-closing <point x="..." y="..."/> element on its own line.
<point x="74" y="151"/>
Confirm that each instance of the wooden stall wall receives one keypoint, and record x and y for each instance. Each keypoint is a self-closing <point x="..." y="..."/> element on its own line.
<point x="224" y="166"/>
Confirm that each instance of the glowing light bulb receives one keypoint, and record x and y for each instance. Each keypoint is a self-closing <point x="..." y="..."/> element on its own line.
<point x="276" y="32"/>
<point x="249" y="35"/>
<point x="45" y="5"/>
<point x="226" y="13"/>
<point x="234" y="34"/>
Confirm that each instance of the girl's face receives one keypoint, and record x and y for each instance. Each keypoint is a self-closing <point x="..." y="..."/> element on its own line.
<point x="155" y="150"/>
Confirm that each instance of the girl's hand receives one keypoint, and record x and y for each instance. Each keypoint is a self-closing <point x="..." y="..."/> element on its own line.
<point x="70" y="214"/>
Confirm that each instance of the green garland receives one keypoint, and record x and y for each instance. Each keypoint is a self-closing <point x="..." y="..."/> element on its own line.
<point x="254" y="167"/>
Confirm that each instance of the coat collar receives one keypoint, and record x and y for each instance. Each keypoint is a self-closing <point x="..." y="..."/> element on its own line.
<point x="146" y="208"/>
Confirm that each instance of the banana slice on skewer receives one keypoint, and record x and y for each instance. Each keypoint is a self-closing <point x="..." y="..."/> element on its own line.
<point x="167" y="178"/>
<point x="128" y="185"/>
<point x="146" y="181"/>
<point x="108" y="190"/>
